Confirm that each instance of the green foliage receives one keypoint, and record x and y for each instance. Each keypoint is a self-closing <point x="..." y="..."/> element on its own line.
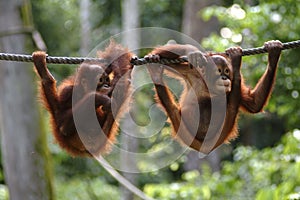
<point x="58" y="23"/>
<point x="83" y="188"/>
<point x="102" y="13"/>
<point x="271" y="173"/>
<point x="161" y="13"/>
<point x="4" y="195"/>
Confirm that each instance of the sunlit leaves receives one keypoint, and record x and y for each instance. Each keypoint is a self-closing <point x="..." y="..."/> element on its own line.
<point x="271" y="173"/>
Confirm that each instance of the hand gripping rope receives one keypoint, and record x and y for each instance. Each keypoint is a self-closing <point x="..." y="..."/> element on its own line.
<point x="135" y="60"/>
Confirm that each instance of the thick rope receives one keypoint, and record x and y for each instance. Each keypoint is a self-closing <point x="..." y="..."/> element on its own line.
<point x="135" y="60"/>
<point x="260" y="50"/>
<point x="49" y="59"/>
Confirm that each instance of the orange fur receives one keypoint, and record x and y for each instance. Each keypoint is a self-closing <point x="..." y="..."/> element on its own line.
<point x="191" y="125"/>
<point x="58" y="101"/>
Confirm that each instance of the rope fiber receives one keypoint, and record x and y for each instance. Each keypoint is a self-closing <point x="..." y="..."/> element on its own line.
<point x="134" y="61"/>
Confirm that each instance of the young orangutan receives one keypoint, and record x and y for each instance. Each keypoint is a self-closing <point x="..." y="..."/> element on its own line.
<point x="214" y="91"/>
<point x="83" y="111"/>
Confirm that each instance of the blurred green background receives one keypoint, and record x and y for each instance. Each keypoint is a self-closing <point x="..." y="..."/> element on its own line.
<point x="263" y="163"/>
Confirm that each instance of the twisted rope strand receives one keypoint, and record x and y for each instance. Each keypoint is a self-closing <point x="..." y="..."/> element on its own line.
<point x="135" y="60"/>
<point x="49" y="59"/>
<point x="259" y="50"/>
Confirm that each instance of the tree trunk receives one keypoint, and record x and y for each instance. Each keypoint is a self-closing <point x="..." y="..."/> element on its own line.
<point x="130" y="21"/>
<point x="85" y="27"/>
<point x="130" y="17"/>
<point x="193" y="25"/>
<point x="24" y="152"/>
